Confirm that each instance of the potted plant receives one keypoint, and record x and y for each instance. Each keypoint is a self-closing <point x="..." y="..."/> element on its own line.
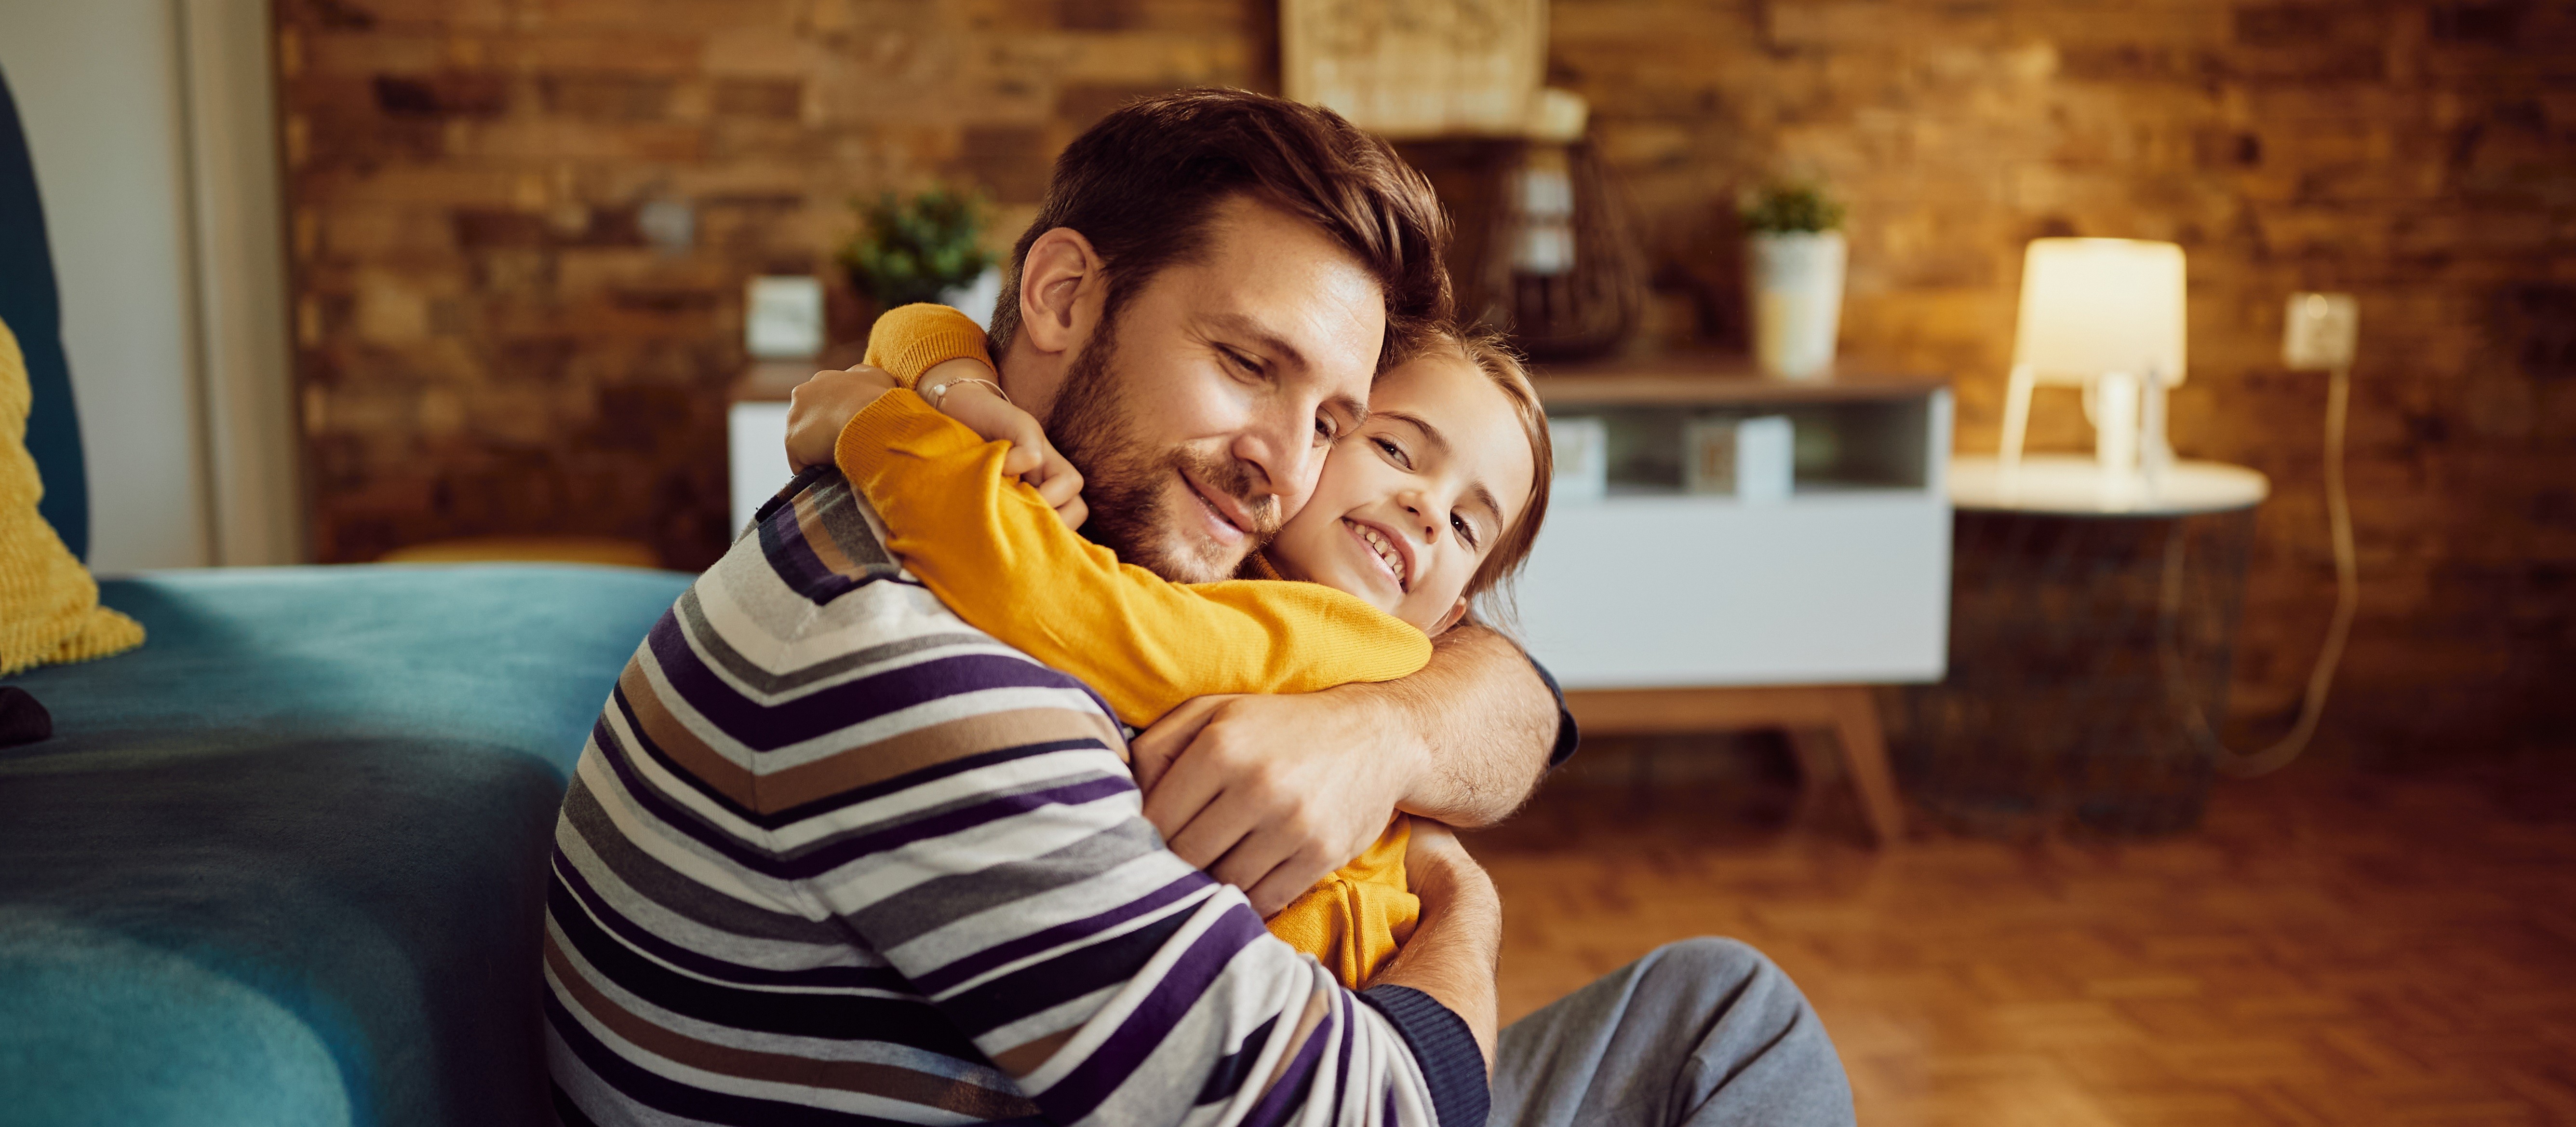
<point x="923" y="248"/>
<point x="1794" y="255"/>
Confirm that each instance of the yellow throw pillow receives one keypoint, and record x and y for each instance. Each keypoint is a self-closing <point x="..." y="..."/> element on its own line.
<point x="49" y="610"/>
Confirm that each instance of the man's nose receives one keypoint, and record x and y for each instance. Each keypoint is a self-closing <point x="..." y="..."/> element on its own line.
<point x="1286" y="465"/>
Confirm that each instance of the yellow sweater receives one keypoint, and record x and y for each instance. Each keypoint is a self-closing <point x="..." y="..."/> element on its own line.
<point x="1147" y="644"/>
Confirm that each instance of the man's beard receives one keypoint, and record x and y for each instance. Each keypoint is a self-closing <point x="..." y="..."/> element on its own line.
<point x="1124" y="480"/>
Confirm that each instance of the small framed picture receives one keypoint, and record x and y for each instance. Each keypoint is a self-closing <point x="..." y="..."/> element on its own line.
<point x="783" y="317"/>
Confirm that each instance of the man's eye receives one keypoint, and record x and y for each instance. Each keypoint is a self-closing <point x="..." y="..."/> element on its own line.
<point x="1241" y="362"/>
<point x="1324" y="430"/>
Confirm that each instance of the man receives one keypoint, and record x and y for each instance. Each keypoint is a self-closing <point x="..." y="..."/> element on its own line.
<point x="831" y="855"/>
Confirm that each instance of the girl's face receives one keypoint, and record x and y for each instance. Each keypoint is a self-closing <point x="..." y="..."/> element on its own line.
<point x="1411" y="502"/>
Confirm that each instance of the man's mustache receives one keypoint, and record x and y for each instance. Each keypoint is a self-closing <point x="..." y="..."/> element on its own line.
<point x="1240" y="480"/>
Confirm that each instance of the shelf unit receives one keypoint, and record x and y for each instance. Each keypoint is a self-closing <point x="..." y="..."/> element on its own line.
<point x="1846" y="581"/>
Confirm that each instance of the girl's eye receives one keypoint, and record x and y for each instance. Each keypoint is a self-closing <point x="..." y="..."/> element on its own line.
<point x="1394" y="451"/>
<point x="1466" y="531"/>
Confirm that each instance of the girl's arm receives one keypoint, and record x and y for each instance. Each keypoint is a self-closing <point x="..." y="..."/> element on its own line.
<point x="993" y="550"/>
<point x="937" y="349"/>
<point x="909" y="340"/>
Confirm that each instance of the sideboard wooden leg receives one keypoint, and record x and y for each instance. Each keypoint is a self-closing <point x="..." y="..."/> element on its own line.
<point x="1820" y="757"/>
<point x="1865" y="755"/>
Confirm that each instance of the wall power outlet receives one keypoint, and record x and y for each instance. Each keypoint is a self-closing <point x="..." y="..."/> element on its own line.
<point x="2320" y="331"/>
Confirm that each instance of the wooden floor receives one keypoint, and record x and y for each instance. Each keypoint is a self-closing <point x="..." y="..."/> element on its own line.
<point x="2331" y="947"/>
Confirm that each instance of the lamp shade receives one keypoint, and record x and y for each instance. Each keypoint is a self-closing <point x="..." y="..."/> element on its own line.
<point x="2090" y="306"/>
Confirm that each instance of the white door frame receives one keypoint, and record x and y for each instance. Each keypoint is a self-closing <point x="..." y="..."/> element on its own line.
<point x="251" y="449"/>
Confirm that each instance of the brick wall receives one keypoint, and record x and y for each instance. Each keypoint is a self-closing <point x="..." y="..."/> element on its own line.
<point x="2419" y="155"/>
<point x="489" y="342"/>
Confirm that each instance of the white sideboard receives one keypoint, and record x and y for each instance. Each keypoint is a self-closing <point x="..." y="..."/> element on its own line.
<point x="1845" y="581"/>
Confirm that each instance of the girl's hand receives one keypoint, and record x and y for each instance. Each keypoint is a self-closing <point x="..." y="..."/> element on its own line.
<point x="822" y="405"/>
<point x="1032" y="458"/>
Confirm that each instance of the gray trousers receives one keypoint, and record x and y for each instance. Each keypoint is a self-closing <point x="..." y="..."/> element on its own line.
<point x="1701" y="1032"/>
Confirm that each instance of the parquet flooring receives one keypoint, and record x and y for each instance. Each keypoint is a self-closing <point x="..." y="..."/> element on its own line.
<point x="2330" y="948"/>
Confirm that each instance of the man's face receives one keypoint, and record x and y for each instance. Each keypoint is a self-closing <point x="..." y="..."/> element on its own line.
<point x="1201" y="415"/>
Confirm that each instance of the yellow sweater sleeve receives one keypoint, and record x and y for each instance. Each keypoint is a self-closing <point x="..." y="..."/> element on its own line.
<point x="994" y="552"/>
<point x="1355" y="920"/>
<point x="910" y="340"/>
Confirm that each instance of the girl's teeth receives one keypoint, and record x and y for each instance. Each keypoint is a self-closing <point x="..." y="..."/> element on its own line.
<point x="1385" y="551"/>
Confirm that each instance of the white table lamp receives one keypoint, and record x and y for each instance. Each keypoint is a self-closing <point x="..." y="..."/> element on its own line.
<point x="2105" y="315"/>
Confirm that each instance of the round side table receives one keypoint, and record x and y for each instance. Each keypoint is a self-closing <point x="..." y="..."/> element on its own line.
<point x="2092" y="626"/>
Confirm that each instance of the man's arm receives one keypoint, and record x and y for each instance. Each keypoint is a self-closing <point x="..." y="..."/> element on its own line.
<point x="1485" y="722"/>
<point x="1453" y="954"/>
<point x="1269" y="793"/>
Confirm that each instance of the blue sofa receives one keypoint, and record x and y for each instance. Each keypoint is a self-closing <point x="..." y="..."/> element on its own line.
<point x="283" y="864"/>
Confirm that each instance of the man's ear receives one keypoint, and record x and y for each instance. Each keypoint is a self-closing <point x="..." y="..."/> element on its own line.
<point x="1060" y="284"/>
<point x="1450" y="619"/>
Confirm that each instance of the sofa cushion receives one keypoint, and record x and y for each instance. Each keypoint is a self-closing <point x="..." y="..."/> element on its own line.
<point x="285" y="864"/>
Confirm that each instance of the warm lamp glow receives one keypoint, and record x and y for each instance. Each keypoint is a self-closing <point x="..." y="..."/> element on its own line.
<point x="2106" y="315"/>
<point x="2093" y="306"/>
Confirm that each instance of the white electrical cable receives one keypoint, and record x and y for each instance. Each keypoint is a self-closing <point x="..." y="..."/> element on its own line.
<point x="2347" y="603"/>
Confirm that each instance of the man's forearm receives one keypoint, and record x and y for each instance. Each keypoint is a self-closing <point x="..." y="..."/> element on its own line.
<point x="1485" y="723"/>
<point x="1453" y="951"/>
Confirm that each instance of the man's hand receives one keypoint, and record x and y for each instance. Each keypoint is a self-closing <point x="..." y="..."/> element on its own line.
<point x="822" y="405"/>
<point x="1454" y="950"/>
<point x="1271" y="793"/>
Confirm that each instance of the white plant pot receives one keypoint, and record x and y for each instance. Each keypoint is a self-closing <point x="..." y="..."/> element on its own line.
<point x="1795" y="282"/>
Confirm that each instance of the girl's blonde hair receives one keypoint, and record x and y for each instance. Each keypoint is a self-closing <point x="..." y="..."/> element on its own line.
<point x="1487" y="351"/>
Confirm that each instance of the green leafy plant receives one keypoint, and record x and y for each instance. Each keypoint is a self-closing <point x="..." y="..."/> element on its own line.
<point x="910" y="250"/>
<point x="1785" y="209"/>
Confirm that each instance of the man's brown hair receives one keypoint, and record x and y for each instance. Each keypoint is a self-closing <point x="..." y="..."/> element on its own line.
<point x="1144" y="183"/>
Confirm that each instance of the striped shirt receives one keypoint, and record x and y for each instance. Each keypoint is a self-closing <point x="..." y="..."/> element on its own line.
<point x="833" y="856"/>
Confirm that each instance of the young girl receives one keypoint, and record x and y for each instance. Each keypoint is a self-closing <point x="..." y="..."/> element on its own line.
<point x="1431" y="502"/>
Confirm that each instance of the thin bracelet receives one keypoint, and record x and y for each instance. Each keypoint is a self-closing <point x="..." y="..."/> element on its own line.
<point x="939" y="395"/>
